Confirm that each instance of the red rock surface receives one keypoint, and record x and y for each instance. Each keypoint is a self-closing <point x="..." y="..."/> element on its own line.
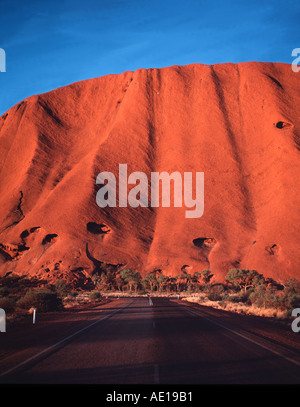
<point x="237" y="123"/>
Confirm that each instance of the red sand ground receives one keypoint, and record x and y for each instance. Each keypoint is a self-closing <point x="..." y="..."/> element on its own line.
<point x="237" y="123"/>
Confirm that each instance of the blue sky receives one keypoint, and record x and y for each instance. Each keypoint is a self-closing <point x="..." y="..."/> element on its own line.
<point x="49" y="44"/>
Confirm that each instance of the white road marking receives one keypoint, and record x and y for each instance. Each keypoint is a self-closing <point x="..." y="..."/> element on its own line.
<point x="199" y="314"/>
<point x="63" y="340"/>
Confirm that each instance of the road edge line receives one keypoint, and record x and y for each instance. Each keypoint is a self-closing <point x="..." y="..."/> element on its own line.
<point x="49" y="348"/>
<point x="243" y="336"/>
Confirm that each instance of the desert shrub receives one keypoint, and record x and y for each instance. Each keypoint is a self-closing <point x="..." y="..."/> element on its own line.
<point x="226" y="297"/>
<point x="292" y="286"/>
<point x="62" y="288"/>
<point x="73" y="294"/>
<point x="8" y="304"/>
<point x="9" y="280"/>
<point x="257" y="297"/>
<point x="42" y="300"/>
<point x="214" y="297"/>
<point x="276" y="301"/>
<point x="292" y="301"/>
<point x="4" y="291"/>
<point x="234" y="298"/>
<point x="217" y="288"/>
<point x="206" y="288"/>
<point x="291" y="294"/>
<point x="267" y="297"/>
<point x="245" y="295"/>
<point x="95" y="295"/>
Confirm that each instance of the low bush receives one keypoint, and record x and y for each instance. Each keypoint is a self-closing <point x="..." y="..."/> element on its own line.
<point x="214" y="297"/>
<point x="292" y="301"/>
<point x="42" y="300"/>
<point x="234" y="298"/>
<point x="95" y="295"/>
<point x="3" y="291"/>
<point x="8" y="304"/>
<point x="73" y="294"/>
<point x="217" y="288"/>
<point x="62" y="288"/>
<point x="267" y="297"/>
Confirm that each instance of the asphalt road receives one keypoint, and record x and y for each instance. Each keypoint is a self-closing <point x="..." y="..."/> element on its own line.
<point x="150" y="341"/>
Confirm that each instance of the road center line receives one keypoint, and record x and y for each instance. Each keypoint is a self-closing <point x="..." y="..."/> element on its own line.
<point x="64" y="340"/>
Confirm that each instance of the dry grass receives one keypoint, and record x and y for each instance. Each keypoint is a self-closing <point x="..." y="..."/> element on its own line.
<point x="239" y="308"/>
